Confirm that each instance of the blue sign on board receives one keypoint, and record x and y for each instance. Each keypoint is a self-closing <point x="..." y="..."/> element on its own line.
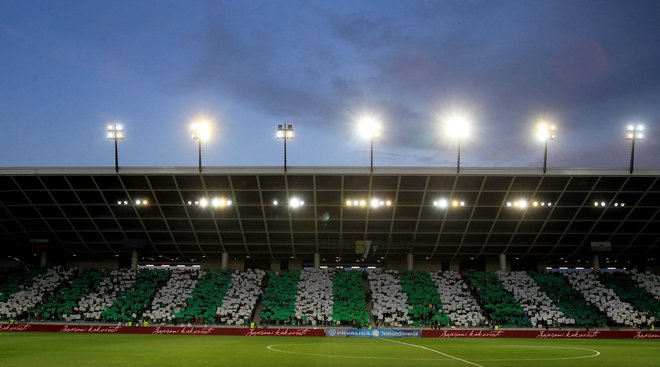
<point x="374" y="333"/>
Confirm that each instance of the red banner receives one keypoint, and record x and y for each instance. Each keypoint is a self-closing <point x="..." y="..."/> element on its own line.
<point x="541" y="334"/>
<point x="449" y="333"/>
<point x="161" y="330"/>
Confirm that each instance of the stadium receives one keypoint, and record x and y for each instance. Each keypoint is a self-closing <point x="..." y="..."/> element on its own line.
<point x="287" y="266"/>
<point x="470" y="183"/>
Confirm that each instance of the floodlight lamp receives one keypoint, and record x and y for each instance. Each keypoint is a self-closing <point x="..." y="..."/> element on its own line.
<point x="284" y="132"/>
<point x="457" y="126"/>
<point x="388" y="203"/>
<point x="442" y="203"/>
<point x="369" y="127"/>
<point x="375" y="203"/>
<point x="275" y="202"/>
<point x="296" y="203"/>
<point x="115" y="132"/>
<point x="203" y="203"/>
<point x="201" y="130"/>
<point x="509" y="204"/>
<point x="635" y="132"/>
<point x="545" y="132"/>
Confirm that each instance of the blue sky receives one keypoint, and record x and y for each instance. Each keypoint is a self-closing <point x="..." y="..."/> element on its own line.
<point x="71" y="67"/>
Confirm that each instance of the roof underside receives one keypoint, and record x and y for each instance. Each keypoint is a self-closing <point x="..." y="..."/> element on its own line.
<point x="78" y="210"/>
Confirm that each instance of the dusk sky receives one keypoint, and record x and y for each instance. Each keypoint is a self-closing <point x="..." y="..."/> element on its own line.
<point x="68" y="68"/>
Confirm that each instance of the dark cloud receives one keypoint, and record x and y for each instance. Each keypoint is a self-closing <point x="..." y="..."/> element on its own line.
<point x="584" y="63"/>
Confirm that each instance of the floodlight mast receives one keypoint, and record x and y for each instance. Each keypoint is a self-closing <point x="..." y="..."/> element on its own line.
<point x="457" y="126"/>
<point x="546" y="132"/>
<point x="370" y="129"/>
<point x="634" y="132"/>
<point x="115" y="132"/>
<point x="200" y="131"/>
<point x="284" y="133"/>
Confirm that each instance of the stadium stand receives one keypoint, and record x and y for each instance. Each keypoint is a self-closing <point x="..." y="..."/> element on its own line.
<point x="571" y="303"/>
<point x="92" y="306"/>
<point x="314" y="299"/>
<point x="172" y="297"/>
<point x="648" y="281"/>
<point x="13" y="280"/>
<point x="350" y="300"/>
<point x="19" y="303"/>
<point x="241" y="298"/>
<point x="201" y="306"/>
<point x="606" y="300"/>
<point x="131" y="305"/>
<point x="389" y="301"/>
<point x="424" y="300"/>
<point x="501" y="307"/>
<point x="61" y="302"/>
<point x="536" y="304"/>
<point x="457" y="302"/>
<point x="279" y="298"/>
<point x="628" y="290"/>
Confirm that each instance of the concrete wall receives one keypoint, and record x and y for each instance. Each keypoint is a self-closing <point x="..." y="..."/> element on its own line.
<point x="93" y="263"/>
<point x="492" y="265"/>
<point x="216" y="263"/>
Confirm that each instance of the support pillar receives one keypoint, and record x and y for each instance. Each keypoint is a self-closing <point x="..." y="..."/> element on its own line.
<point x="409" y="261"/>
<point x="317" y="260"/>
<point x="503" y="262"/>
<point x="454" y="265"/>
<point x="134" y="259"/>
<point x="225" y="260"/>
<point x="541" y="267"/>
<point x="44" y="259"/>
<point x="596" y="262"/>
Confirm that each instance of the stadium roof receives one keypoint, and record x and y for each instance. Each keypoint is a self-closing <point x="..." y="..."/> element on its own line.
<point x="94" y="211"/>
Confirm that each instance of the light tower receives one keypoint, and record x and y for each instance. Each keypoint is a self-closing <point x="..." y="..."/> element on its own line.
<point x="115" y="132"/>
<point x="200" y="132"/>
<point x="634" y="132"/>
<point x="458" y="126"/>
<point x="545" y="132"/>
<point x="370" y="129"/>
<point x="284" y="133"/>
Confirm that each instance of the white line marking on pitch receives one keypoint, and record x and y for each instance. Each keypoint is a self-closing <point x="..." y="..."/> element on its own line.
<point x="273" y="347"/>
<point x="432" y="350"/>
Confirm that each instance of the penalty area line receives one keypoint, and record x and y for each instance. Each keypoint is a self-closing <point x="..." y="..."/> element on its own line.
<point x="432" y="350"/>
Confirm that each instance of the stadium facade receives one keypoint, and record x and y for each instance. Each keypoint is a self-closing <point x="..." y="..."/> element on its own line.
<point x="395" y="217"/>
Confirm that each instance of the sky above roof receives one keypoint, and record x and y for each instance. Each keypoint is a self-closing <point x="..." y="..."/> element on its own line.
<point x="71" y="67"/>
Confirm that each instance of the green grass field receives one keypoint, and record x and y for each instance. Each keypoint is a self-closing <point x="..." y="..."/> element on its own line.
<point x="81" y="350"/>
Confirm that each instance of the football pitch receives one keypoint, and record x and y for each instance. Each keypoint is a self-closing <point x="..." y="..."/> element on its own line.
<point x="97" y="350"/>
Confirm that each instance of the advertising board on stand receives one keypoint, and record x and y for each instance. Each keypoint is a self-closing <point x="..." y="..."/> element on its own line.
<point x="374" y="333"/>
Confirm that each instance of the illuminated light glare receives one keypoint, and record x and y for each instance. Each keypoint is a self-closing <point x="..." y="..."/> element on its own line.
<point x="375" y="203"/>
<point x="201" y="130"/>
<point x="369" y="127"/>
<point x="125" y="202"/>
<point x="509" y="204"/>
<point x="388" y="203"/>
<point x="119" y="202"/>
<point x="296" y="203"/>
<point x="457" y="126"/>
<point x="454" y="203"/>
<point x="349" y="203"/>
<point x="203" y="203"/>
<point x="138" y="202"/>
<point x="602" y="203"/>
<point x="623" y="204"/>
<point x="189" y="202"/>
<point x="275" y="202"/>
<point x="535" y="203"/>
<point x="462" y="203"/>
<point x="363" y="203"/>
<point x="545" y="132"/>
